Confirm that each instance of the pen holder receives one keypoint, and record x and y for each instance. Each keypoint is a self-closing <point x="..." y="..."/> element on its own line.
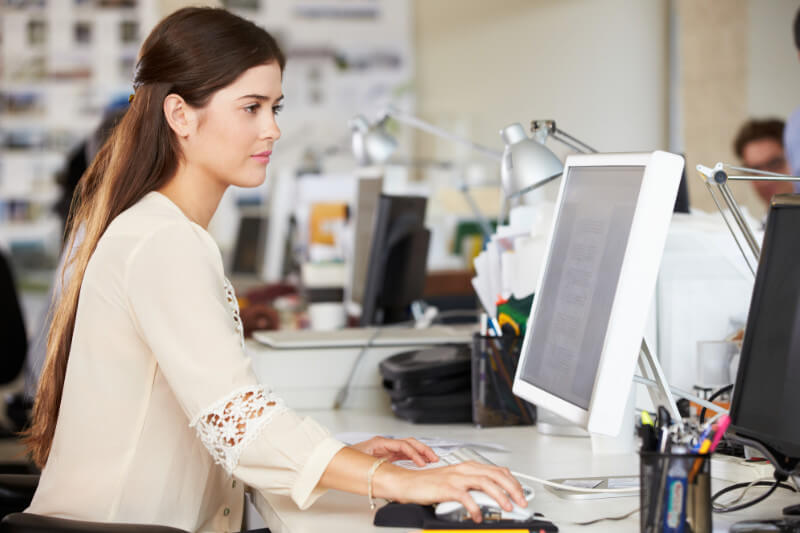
<point x="494" y="363"/>
<point x="675" y="492"/>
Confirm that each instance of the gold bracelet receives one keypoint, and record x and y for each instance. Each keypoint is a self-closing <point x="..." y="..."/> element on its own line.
<point x="371" y="473"/>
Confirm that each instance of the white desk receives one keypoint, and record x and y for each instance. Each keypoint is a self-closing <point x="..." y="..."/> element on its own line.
<point x="530" y="452"/>
<point x="282" y="359"/>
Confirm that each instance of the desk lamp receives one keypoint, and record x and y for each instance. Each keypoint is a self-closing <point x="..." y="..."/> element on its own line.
<point x="716" y="180"/>
<point x="372" y="144"/>
<point x="534" y="164"/>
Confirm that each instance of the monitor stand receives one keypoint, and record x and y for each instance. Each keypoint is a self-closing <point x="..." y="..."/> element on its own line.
<point x="549" y="423"/>
<point x="653" y="376"/>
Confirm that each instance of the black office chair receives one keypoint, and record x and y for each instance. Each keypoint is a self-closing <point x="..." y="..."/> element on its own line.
<point x="16" y="492"/>
<point x="33" y="523"/>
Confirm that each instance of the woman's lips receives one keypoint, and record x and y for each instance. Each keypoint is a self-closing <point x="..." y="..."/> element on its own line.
<point x="263" y="157"/>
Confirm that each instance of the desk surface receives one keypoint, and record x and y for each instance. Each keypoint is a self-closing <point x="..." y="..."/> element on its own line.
<point x="529" y="452"/>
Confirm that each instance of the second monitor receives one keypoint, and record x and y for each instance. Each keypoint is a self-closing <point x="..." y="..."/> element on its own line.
<point x="397" y="260"/>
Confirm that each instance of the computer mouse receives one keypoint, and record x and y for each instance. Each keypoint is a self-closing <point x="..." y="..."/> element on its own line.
<point x="455" y="512"/>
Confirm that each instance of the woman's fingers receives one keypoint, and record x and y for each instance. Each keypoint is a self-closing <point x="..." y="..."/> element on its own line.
<point x="500" y="476"/>
<point x="490" y="487"/>
<point x="395" y="449"/>
<point x="404" y="448"/>
<point x="470" y="505"/>
<point x="423" y="449"/>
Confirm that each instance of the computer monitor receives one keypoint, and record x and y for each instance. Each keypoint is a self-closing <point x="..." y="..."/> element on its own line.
<point x="370" y="185"/>
<point x="766" y="395"/>
<point x="248" y="253"/>
<point x="397" y="260"/>
<point x="593" y="296"/>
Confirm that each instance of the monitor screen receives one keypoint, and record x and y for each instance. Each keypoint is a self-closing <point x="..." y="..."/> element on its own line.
<point x="580" y="280"/>
<point x="397" y="260"/>
<point x="766" y="394"/>
<point x="248" y="255"/>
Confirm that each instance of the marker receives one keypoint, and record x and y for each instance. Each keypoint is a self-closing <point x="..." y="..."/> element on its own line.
<point x="647" y="420"/>
<point x="675" y="494"/>
<point x="722" y="427"/>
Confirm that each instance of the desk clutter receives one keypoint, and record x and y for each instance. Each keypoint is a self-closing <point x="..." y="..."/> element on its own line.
<point x="431" y="385"/>
<point x="494" y="363"/>
<point x="458" y="383"/>
<point x="675" y="473"/>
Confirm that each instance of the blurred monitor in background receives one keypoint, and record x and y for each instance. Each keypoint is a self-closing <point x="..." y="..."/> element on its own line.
<point x="366" y="209"/>
<point x="397" y="260"/>
<point x="248" y="251"/>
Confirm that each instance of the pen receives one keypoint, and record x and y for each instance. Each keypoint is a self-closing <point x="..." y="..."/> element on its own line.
<point x="498" y="332"/>
<point x="663" y="421"/>
<point x="722" y="427"/>
<point x="699" y="461"/>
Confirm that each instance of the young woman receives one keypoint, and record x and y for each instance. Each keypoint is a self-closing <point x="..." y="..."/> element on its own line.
<point x="148" y="410"/>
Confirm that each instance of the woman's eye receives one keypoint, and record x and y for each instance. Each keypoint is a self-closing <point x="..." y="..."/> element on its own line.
<point x="252" y="108"/>
<point x="277" y="109"/>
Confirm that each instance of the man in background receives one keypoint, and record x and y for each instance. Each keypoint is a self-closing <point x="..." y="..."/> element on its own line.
<point x="759" y="145"/>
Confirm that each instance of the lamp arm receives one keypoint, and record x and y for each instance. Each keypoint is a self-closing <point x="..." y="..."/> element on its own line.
<point x="719" y="179"/>
<point x="582" y="146"/>
<point x="529" y="188"/>
<point x="435" y="130"/>
<point x="730" y="228"/>
<point x="761" y="175"/>
<point x="542" y="129"/>
<point x="486" y="228"/>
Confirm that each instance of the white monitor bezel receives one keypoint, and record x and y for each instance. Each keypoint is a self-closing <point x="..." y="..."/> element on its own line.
<point x="632" y="299"/>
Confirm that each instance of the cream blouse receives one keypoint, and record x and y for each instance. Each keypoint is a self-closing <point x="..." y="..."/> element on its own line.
<point x="162" y="420"/>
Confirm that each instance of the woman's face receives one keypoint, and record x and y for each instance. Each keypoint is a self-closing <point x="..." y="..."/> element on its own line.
<point x="237" y="129"/>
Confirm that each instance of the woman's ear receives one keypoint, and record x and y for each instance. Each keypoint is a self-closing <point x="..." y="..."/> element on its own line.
<point x="180" y="116"/>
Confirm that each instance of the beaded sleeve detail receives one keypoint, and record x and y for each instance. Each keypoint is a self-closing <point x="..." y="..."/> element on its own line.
<point x="229" y="425"/>
<point x="233" y="304"/>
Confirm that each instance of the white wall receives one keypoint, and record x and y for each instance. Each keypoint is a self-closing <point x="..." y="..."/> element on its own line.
<point x="774" y="69"/>
<point x="599" y="67"/>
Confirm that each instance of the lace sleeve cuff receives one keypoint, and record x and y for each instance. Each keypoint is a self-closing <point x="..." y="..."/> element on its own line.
<point x="234" y="421"/>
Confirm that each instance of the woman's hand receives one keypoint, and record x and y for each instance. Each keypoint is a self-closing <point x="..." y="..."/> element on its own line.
<point x="398" y="449"/>
<point x="451" y="483"/>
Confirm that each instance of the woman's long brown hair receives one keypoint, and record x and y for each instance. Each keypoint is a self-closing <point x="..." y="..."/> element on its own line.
<point x="192" y="53"/>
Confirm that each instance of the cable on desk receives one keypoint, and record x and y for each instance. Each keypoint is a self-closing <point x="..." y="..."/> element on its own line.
<point x="758" y="483"/>
<point x="631" y="490"/>
<point x="610" y="518"/>
<point x="341" y="396"/>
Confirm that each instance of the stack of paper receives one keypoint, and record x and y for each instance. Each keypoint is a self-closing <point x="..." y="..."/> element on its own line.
<point x="510" y="264"/>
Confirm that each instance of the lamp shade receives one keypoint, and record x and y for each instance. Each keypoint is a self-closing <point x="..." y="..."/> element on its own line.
<point x="371" y="143"/>
<point x="526" y="163"/>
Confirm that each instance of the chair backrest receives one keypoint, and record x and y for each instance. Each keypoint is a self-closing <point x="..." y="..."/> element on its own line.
<point x="33" y="523"/>
<point x="16" y="492"/>
<point x="12" y="326"/>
